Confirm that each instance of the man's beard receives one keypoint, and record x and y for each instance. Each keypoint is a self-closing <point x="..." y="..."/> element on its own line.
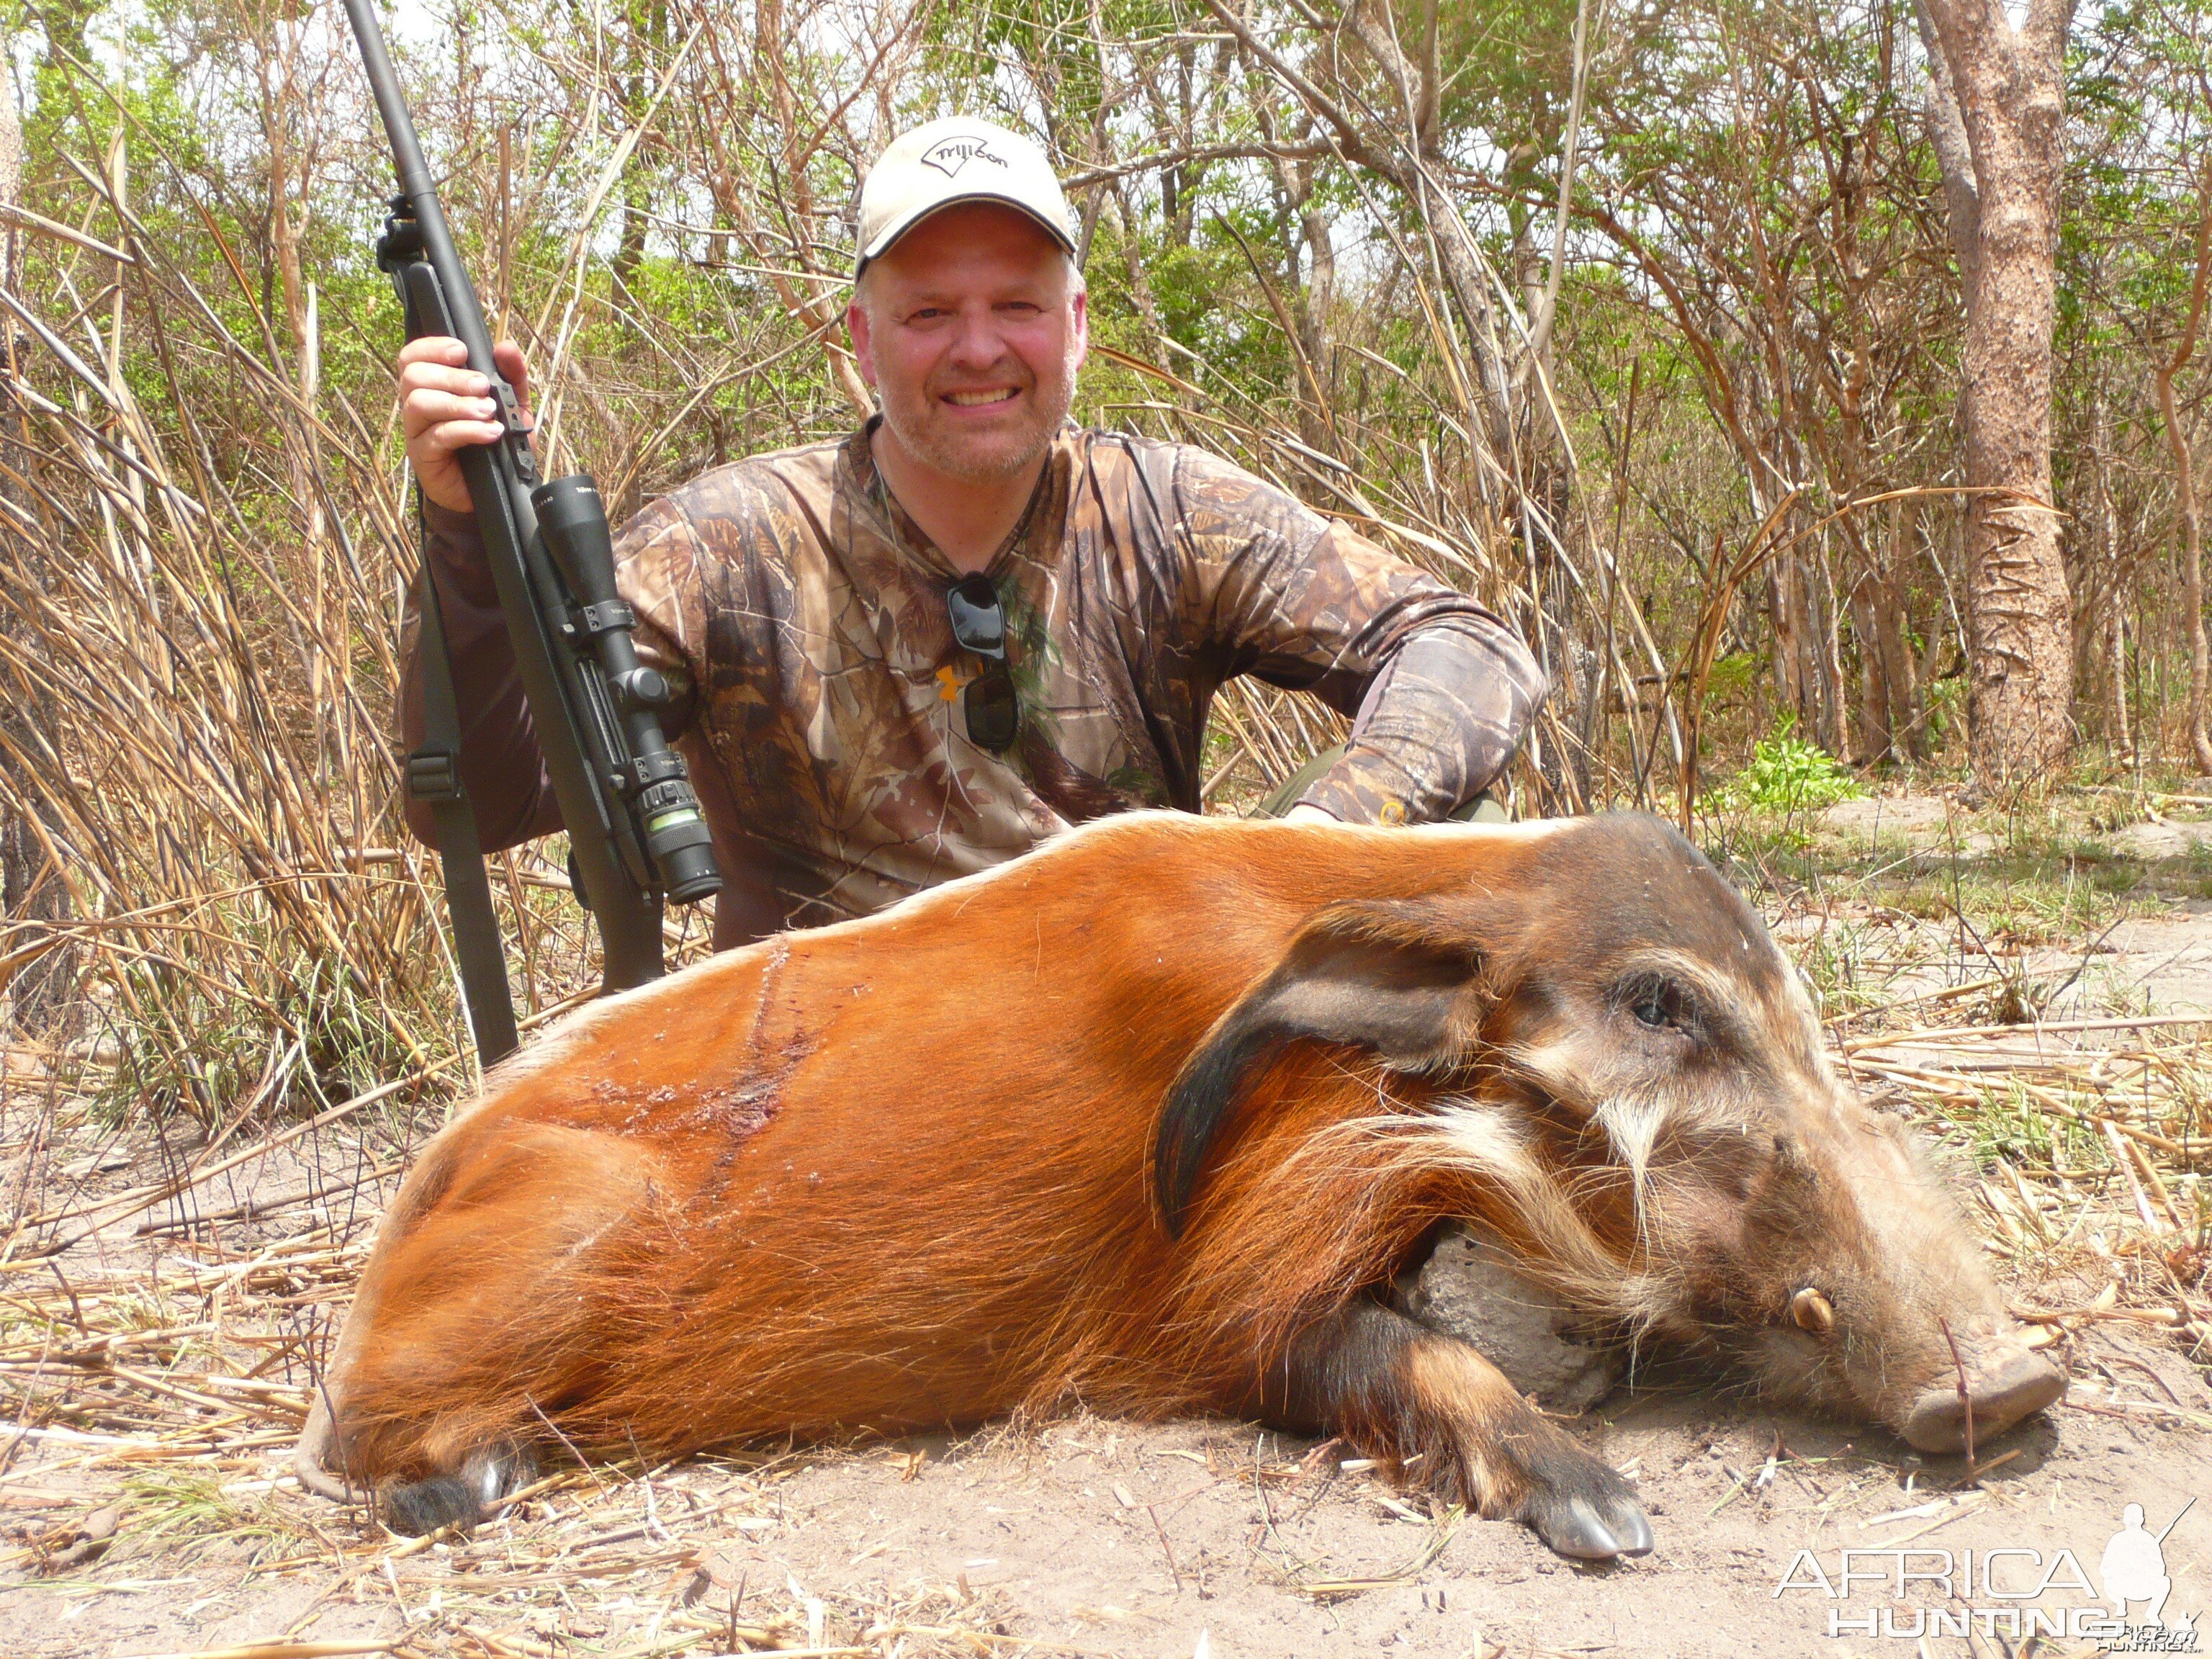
<point x="980" y="458"/>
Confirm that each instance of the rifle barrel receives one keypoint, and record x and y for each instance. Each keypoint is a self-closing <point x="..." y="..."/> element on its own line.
<point x="464" y="310"/>
<point x="576" y="730"/>
<point x="2176" y="1521"/>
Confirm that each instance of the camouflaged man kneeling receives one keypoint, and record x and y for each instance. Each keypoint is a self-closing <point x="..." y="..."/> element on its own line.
<point x="921" y="650"/>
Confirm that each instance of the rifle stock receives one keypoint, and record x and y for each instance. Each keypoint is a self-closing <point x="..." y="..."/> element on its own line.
<point x="634" y="830"/>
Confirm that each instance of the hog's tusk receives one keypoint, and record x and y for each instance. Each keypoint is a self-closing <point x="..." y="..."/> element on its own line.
<point x="1812" y="1312"/>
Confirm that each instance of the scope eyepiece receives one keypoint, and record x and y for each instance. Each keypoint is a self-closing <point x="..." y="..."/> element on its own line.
<point x="683" y="849"/>
<point x="677" y="838"/>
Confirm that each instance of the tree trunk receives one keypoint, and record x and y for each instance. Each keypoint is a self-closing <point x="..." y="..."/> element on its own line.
<point x="1891" y="724"/>
<point x="1876" y="731"/>
<point x="2184" y="486"/>
<point x="2106" y="620"/>
<point x="1804" y="661"/>
<point x="1781" y="621"/>
<point x="1901" y="678"/>
<point x="2121" y="727"/>
<point x="1996" y="104"/>
<point x="1834" y="724"/>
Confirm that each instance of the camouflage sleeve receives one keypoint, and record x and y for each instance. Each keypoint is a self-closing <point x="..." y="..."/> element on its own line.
<point x="502" y="768"/>
<point x="1442" y="691"/>
<point x="1440" y="723"/>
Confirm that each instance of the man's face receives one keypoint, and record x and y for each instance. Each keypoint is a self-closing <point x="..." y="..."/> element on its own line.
<point x="970" y="330"/>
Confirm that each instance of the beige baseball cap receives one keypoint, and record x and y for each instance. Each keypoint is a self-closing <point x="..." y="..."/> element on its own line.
<point x="959" y="159"/>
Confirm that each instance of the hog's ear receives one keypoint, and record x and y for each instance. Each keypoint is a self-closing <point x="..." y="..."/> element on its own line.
<point x="1395" y="978"/>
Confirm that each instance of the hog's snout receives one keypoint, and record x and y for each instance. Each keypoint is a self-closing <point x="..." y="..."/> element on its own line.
<point x="2005" y="1380"/>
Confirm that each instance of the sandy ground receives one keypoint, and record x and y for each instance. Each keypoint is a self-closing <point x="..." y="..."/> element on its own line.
<point x="1112" y="1538"/>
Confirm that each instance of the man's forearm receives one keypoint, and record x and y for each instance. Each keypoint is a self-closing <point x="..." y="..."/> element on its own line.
<point x="501" y="767"/>
<point x="1442" y="721"/>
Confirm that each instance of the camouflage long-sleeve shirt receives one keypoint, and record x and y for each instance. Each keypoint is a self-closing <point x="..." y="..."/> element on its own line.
<point x="801" y="615"/>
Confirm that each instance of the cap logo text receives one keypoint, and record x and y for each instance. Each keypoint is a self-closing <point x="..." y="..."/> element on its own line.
<point x="949" y="156"/>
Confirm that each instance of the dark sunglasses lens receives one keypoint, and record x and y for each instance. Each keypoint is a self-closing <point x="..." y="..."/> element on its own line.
<point x="979" y="623"/>
<point x="994" y="715"/>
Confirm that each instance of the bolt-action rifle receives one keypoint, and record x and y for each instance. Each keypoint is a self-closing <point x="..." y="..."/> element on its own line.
<point x="634" y="830"/>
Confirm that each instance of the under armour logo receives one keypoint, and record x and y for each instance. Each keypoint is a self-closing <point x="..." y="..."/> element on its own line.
<point x="949" y="156"/>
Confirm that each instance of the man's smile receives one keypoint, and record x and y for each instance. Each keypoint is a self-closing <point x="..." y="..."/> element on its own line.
<point x="997" y="394"/>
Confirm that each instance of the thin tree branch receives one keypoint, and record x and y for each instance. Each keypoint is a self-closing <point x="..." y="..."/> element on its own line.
<point x="1539" y="326"/>
<point x="1175" y="158"/>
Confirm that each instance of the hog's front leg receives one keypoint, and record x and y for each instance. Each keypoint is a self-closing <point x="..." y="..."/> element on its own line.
<point x="1400" y="1390"/>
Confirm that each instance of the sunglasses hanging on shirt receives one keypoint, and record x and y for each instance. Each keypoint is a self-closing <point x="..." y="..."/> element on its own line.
<point x="979" y="627"/>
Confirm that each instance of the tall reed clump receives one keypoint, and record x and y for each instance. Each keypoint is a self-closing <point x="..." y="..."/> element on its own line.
<point x="217" y="903"/>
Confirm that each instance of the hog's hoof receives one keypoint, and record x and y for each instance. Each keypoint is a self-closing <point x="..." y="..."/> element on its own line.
<point x="1589" y="1514"/>
<point x="459" y="1499"/>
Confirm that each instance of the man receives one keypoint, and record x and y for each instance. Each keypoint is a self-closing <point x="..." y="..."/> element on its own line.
<point x="919" y="651"/>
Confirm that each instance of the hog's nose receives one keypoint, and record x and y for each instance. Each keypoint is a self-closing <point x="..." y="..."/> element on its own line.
<point x="2004" y="1385"/>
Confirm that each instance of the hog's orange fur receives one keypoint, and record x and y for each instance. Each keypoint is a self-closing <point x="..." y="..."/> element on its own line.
<point x="895" y="1172"/>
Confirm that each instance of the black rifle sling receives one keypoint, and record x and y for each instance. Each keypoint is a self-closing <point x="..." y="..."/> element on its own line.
<point x="434" y="776"/>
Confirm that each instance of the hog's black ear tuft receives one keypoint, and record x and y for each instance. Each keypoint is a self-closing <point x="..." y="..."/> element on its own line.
<point x="1396" y="978"/>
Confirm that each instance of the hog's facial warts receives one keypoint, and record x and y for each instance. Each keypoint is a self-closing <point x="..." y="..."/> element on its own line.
<point x="1630" y="1077"/>
<point x="1889" y="1309"/>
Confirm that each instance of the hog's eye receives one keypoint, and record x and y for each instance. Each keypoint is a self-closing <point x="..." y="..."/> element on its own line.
<point x="1654" y="1002"/>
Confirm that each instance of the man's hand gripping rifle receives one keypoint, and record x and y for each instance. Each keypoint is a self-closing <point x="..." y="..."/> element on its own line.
<point x="634" y="830"/>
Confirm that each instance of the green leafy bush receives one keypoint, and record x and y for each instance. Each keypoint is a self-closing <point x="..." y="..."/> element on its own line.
<point x="1731" y="677"/>
<point x="1788" y="774"/>
<point x="1947" y="710"/>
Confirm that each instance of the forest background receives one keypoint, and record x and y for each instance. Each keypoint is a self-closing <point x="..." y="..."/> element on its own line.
<point x="1816" y="385"/>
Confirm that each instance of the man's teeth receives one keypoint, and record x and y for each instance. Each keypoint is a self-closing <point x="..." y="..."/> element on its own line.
<point x="970" y="399"/>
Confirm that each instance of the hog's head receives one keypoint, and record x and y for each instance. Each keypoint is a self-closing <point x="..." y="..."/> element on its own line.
<point x="1600" y="1050"/>
<point x="1761" y="1209"/>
